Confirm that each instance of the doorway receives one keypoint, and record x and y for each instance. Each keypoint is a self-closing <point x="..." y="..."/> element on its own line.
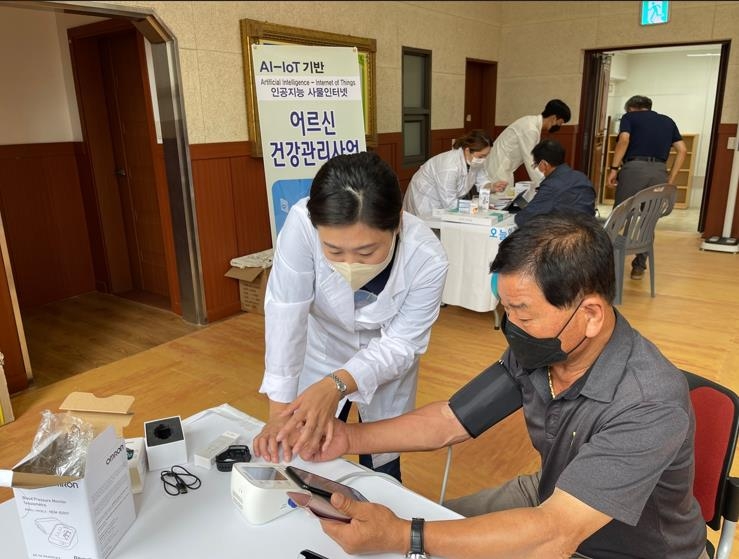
<point x="480" y="81"/>
<point x="52" y="160"/>
<point x="684" y="82"/>
<point x="125" y="198"/>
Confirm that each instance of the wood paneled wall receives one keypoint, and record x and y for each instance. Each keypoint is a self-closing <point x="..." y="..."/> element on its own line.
<point x="231" y="206"/>
<point x="720" y="176"/>
<point x="45" y="226"/>
<point x="232" y="218"/>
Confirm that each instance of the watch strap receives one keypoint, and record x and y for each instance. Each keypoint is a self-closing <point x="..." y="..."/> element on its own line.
<point x="340" y="384"/>
<point x="416" y="550"/>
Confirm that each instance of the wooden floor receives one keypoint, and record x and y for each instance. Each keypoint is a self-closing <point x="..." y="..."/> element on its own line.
<point x="694" y="320"/>
<point x="84" y="332"/>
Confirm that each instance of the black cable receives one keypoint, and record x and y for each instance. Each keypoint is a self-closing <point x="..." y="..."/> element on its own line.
<point x="177" y="482"/>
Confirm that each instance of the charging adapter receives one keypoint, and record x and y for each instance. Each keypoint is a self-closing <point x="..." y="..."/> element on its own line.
<point x="165" y="443"/>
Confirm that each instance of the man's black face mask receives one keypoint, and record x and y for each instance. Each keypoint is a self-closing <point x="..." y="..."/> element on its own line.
<point x="532" y="352"/>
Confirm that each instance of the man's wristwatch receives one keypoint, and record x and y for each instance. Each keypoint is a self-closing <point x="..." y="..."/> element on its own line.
<point x="614" y="168"/>
<point x="416" y="551"/>
<point x="340" y="384"/>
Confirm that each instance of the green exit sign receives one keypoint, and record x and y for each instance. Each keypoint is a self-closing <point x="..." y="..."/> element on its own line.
<point x="654" y="13"/>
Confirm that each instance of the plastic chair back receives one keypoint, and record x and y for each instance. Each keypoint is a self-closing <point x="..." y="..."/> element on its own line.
<point x="647" y="206"/>
<point x="631" y="228"/>
<point x="615" y="222"/>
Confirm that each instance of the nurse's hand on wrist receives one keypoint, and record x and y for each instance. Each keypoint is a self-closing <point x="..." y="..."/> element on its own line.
<point x="311" y="416"/>
<point x="265" y="443"/>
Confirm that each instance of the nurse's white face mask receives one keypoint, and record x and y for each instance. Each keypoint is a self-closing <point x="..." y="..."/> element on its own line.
<point x="475" y="160"/>
<point x="357" y="274"/>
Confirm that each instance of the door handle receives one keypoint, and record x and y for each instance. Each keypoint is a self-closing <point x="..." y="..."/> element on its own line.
<point x="120" y="172"/>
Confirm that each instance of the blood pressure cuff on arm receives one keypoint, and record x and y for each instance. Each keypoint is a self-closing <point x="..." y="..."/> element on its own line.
<point x="490" y="397"/>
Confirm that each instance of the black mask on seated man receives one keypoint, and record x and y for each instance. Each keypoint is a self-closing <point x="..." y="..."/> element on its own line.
<point x="532" y="352"/>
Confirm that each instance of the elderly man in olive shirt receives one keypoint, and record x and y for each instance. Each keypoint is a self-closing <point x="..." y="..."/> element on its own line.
<point x="609" y="415"/>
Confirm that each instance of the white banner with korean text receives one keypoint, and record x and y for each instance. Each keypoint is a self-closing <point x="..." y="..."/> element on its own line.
<point x="310" y="109"/>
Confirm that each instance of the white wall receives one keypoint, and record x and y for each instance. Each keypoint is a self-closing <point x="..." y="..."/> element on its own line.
<point x="680" y="86"/>
<point x="35" y="102"/>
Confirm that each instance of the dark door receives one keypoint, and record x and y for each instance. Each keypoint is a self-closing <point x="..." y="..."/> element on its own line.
<point x="132" y="135"/>
<point x="123" y="194"/>
<point x="479" y="95"/>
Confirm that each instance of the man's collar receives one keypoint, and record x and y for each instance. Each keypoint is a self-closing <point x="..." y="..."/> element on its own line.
<point x="605" y="374"/>
<point x="558" y="168"/>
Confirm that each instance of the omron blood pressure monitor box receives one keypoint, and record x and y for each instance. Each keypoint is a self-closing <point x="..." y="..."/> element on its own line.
<point x="65" y="517"/>
<point x="83" y="517"/>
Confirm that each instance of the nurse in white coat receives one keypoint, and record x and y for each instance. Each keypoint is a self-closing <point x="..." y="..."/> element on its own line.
<point x="354" y="290"/>
<point x="512" y="148"/>
<point x="447" y="177"/>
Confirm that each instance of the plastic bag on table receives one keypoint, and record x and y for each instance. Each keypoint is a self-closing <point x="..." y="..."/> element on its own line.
<point x="60" y="446"/>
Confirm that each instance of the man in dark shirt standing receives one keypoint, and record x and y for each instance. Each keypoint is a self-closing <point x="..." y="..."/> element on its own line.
<point x="562" y="189"/>
<point x="644" y="141"/>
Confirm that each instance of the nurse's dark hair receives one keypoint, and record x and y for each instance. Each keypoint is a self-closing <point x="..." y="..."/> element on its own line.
<point x="568" y="254"/>
<point x="356" y="188"/>
<point x="557" y="107"/>
<point x="476" y="140"/>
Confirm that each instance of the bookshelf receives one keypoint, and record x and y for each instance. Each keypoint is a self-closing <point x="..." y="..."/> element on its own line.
<point x="684" y="175"/>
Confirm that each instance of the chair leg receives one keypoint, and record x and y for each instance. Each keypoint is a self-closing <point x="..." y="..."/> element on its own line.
<point x="650" y="255"/>
<point x="619" y="258"/>
<point x="723" y="551"/>
<point x="447" y="467"/>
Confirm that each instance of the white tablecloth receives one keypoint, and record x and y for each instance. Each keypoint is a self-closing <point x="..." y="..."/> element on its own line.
<point x="205" y="523"/>
<point x="470" y="250"/>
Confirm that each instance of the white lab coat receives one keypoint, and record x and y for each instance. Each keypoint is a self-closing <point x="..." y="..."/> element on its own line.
<point x="313" y="329"/>
<point x="440" y="182"/>
<point x="512" y="148"/>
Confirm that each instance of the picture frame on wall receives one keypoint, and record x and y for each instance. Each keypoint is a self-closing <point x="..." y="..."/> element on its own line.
<point x="265" y="33"/>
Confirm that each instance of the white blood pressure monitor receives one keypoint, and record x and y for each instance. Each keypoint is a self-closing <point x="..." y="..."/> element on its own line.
<point x="259" y="491"/>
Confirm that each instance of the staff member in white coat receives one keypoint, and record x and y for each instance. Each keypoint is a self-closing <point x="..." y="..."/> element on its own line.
<point x="354" y="290"/>
<point x="447" y="177"/>
<point x="513" y="146"/>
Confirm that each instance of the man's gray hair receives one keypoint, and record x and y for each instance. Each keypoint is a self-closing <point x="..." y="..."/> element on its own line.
<point x="638" y="102"/>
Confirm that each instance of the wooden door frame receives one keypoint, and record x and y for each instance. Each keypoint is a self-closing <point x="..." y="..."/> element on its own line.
<point x="115" y="268"/>
<point x="175" y="148"/>
<point x="489" y="91"/>
<point x="583" y="141"/>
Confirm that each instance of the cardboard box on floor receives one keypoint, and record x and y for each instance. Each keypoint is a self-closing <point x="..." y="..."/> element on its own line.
<point x="69" y="518"/>
<point x="252" y="271"/>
